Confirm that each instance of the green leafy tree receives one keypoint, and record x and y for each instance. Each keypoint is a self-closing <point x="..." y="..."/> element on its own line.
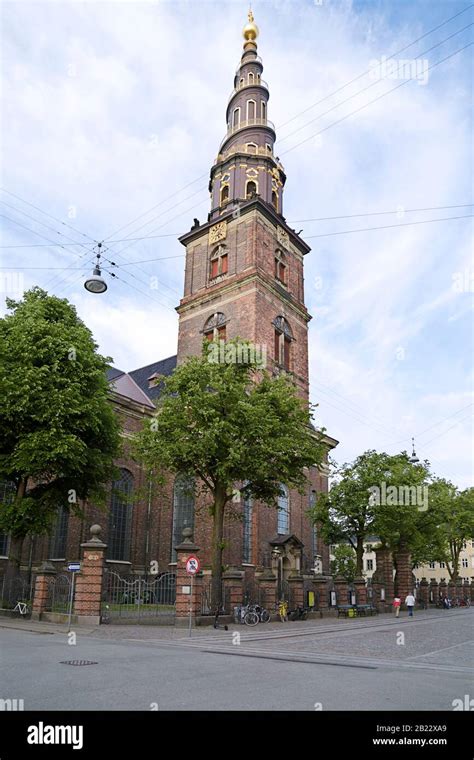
<point x="344" y="563"/>
<point x="58" y="431"/>
<point x="453" y="513"/>
<point x="354" y="508"/>
<point x="230" y="423"/>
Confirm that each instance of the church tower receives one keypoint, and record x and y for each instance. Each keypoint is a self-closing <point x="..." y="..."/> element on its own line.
<point x="244" y="266"/>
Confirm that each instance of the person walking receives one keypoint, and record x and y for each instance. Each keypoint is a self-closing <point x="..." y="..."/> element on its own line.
<point x="410" y="603"/>
<point x="396" y="605"/>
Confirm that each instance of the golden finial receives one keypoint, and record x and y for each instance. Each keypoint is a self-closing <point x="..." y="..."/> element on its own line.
<point x="251" y="29"/>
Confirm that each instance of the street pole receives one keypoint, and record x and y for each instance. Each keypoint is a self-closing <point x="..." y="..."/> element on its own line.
<point x="191" y="605"/>
<point x="71" y="597"/>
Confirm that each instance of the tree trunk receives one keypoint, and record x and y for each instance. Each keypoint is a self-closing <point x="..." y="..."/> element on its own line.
<point x="359" y="557"/>
<point x="217" y="546"/>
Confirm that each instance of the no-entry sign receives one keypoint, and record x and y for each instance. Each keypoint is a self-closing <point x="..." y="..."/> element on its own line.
<point x="192" y="565"/>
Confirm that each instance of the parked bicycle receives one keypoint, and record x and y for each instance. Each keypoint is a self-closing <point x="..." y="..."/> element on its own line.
<point x="299" y="613"/>
<point x="252" y="614"/>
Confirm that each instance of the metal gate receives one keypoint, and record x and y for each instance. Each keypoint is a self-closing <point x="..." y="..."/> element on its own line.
<point x="59" y="594"/>
<point x="139" y="598"/>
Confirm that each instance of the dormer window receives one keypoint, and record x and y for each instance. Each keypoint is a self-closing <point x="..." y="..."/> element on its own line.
<point x="152" y="380"/>
<point x="219" y="262"/>
<point x="281" y="267"/>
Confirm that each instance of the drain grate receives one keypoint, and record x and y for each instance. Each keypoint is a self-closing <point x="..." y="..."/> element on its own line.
<point x="78" y="662"/>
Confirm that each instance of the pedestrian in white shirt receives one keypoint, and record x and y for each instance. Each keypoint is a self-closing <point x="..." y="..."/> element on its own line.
<point x="410" y="603"/>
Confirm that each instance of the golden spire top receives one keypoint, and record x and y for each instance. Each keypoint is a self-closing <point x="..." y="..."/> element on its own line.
<point x="251" y="29"/>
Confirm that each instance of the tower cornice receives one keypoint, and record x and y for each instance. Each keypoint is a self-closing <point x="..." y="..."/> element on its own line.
<point x="238" y="209"/>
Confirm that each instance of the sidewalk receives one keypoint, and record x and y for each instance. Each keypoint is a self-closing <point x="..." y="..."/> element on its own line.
<point x="169" y="632"/>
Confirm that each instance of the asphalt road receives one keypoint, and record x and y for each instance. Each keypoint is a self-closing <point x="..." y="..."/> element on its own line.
<point x="351" y="665"/>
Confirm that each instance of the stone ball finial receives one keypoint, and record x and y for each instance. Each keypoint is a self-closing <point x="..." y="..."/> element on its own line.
<point x="187" y="535"/>
<point x="95" y="531"/>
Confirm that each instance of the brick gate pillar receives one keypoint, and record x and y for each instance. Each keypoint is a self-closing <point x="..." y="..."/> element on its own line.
<point x="42" y="582"/>
<point x="295" y="583"/>
<point x="459" y="589"/>
<point x="423" y="592"/>
<point x="405" y="582"/>
<point x="184" y="599"/>
<point x="433" y="591"/>
<point x="88" y="593"/>
<point x="342" y="595"/>
<point x="233" y="583"/>
<point x="361" y="590"/>
<point x="321" y="587"/>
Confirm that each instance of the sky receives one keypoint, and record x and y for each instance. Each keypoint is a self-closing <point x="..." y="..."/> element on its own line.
<point x="111" y="117"/>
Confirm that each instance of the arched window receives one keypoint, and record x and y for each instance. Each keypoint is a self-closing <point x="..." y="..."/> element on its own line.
<point x="7" y="496"/>
<point x="251" y="110"/>
<point x="252" y="148"/>
<point x="263" y="110"/>
<point x="215" y="327"/>
<point x="120" y="520"/>
<point x="236" y="117"/>
<point x="251" y="77"/>
<point x="183" y="510"/>
<point x="241" y="82"/>
<point x="283" y="522"/>
<point x="258" y="78"/>
<point x="283" y="339"/>
<point x="250" y="189"/>
<point x="280" y="267"/>
<point x="58" y="537"/>
<point x="247" y="529"/>
<point x="224" y="194"/>
<point x="219" y="262"/>
<point x="275" y="200"/>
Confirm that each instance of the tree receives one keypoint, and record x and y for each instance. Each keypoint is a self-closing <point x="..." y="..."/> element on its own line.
<point x="227" y="423"/>
<point x="344" y="563"/>
<point x="453" y="512"/>
<point x="366" y="499"/>
<point x="346" y="513"/>
<point x="58" y="431"/>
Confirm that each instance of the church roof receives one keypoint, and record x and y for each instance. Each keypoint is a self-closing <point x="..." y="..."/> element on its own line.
<point x="142" y="374"/>
<point x="135" y="384"/>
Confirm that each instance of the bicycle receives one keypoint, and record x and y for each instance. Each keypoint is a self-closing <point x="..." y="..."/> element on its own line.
<point x="248" y="615"/>
<point x="283" y="611"/>
<point x="263" y="614"/>
<point x="23" y="608"/>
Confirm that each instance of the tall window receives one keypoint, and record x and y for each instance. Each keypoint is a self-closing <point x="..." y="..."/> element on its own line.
<point x="275" y="200"/>
<point x="236" y="117"/>
<point x="280" y="267"/>
<point x="251" y="189"/>
<point x="283" y="339"/>
<point x="7" y="495"/>
<point x="247" y="530"/>
<point x="214" y="329"/>
<point x="219" y="261"/>
<point x="120" y="521"/>
<point x="263" y="110"/>
<point x="58" y="539"/>
<point x="251" y="77"/>
<point x="283" y="522"/>
<point x="314" y="537"/>
<point x="183" y="510"/>
<point x="251" y="109"/>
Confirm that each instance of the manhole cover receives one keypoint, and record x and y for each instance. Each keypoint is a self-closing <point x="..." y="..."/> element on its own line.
<point x="78" y="662"/>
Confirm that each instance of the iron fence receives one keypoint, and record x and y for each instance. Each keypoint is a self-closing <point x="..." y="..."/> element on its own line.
<point x="20" y="588"/>
<point x="206" y="599"/>
<point x="59" y="593"/>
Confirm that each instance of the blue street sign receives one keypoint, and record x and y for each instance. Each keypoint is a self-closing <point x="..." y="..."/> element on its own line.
<point x="74" y="567"/>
